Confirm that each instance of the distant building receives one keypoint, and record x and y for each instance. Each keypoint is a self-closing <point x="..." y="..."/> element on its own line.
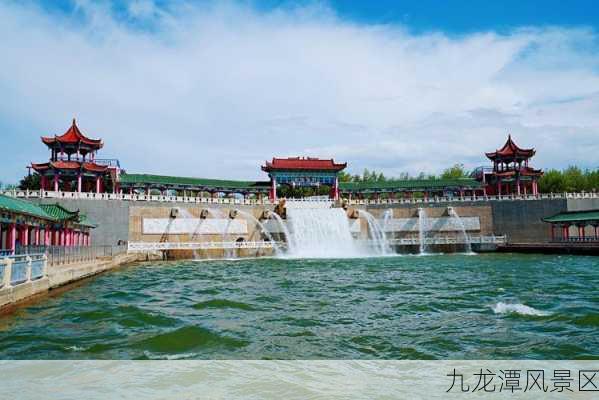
<point x="511" y="173"/>
<point x="73" y="165"/>
<point x="303" y="171"/>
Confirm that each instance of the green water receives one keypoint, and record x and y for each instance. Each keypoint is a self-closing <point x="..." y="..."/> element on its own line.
<point x="437" y="307"/>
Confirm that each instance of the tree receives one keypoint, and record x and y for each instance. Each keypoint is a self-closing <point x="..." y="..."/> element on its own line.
<point x="456" y="171"/>
<point x="30" y="182"/>
<point x="344" y="177"/>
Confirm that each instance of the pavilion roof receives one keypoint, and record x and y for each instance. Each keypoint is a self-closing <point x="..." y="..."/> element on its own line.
<point x="73" y="165"/>
<point x="73" y="136"/>
<point x="303" y="164"/>
<point x="19" y="206"/>
<point x="574" y="216"/>
<point x="60" y="213"/>
<point x="510" y="150"/>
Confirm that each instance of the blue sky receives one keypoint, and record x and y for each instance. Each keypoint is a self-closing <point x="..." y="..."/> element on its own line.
<point x="212" y="89"/>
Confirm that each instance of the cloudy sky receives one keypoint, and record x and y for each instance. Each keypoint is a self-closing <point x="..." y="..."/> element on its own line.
<point x="212" y="89"/>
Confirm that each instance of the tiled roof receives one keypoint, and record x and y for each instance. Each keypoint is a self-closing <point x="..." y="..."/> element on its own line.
<point x="144" y="179"/>
<point x="574" y="216"/>
<point x="48" y="212"/>
<point x="411" y="184"/>
<point x="511" y="149"/>
<point x="19" y="206"/>
<point x="303" y="163"/>
<point x="73" y="136"/>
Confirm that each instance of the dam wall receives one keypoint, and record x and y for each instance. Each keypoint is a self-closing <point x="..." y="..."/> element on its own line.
<point x="520" y="220"/>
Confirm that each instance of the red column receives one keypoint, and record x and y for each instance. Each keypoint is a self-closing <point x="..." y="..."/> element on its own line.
<point x="535" y="189"/>
<point x="25" y="241"/>
<point x="56" y="183"/>
<point x="581" y="231"/>
<point x="36" y="236"/>
<point x="334" y="195"/>
<point x="518" y="187"/>
<point x="79" y="183"/>
<point x="596" y="231"/>
<point x="47" y="233"/>
<point x="552" y="232"/>
<point x="272" y="193"/>
<point x="499" y="187"/>
<point x="565" y="232"/>
<point x="97" y="184"/>
<point x="12" y="237"/>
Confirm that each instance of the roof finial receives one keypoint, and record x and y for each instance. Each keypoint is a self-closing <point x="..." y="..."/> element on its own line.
<point x="74" y="121"/>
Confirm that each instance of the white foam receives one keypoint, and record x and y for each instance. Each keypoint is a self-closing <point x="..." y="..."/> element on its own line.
<point x="518" y="308"/>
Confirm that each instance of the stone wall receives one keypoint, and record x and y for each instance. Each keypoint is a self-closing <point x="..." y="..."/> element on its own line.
<point x="522" y="220"/>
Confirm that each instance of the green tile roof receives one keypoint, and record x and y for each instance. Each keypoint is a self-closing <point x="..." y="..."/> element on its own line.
<point x="145" y="179"/>
<point x="412" y="184"/>
<point x="19" y="206"/>
<point x="59" y="213"/>
<point x="574" y="216"/>
<point x="49" y="212"/>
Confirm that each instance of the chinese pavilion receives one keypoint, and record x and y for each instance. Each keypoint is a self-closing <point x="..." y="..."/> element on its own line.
<point x="303" y="171"/>
<point x="511" y="173"/>
<point x="73" y="165"/>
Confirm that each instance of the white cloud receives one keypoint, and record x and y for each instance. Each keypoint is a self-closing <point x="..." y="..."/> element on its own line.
<point x="214" y="91"/>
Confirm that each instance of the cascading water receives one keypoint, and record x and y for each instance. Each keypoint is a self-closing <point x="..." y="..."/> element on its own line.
<point x="422" y="228"/>
<point x="249" y="216"/>
<point x="460" y="224"/>
<point x="288" y="238"/>
<point x="186" y="214"/>
<point x="377" y="234"/>
<point x="320" y="233"/>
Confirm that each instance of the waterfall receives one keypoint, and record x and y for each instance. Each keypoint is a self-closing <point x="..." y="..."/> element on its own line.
<point x="288" y="238"/>
<point x="376" y="233"/>
<point x="460" y="224"/>
<point x="186" y="214"/>
<point x="265" y="231"/>
<point x="422" y="227"/>
<point x="320" y="233"/>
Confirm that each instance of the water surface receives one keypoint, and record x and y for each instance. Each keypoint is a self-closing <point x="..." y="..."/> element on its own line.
<point x="431" y="307"/>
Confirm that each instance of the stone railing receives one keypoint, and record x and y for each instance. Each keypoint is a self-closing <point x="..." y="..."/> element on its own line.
<point x="458" y="239"/>
<point x="60" y="255"/>
<point x="16" y="270"/>
<point x="135" y="247"/>
<point x="266" y="202"/>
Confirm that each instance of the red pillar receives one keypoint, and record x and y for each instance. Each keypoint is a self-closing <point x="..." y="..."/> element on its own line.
<point x="47" y="233"/>
<point x="12" y="237"/>
<point x="36" y="236"/>
<point x="272" y="193"/>
<point x="566" y="232"/>
<point x="499" y="187"/>
<point x="56" y="183"/>
<point x="334" y="195"/>
<point x="79" y="183"/>
<point x="581" y="231"/>
<point x="596" y="231"/>
<point x="25" y="240"/>
<point x="552" y="232"/>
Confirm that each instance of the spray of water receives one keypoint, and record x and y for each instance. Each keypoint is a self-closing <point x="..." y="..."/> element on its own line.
<point x="462" y="229"/>
<point x="422" y="229"/>
<point x="263" y="229"/>
<point x="376" y="234"/>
